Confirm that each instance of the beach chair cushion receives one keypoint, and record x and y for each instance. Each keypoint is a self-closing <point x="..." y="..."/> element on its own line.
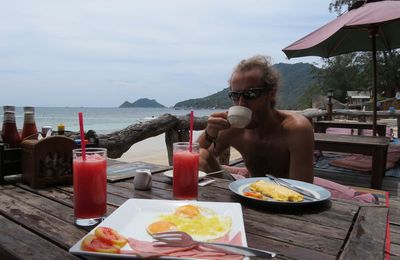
<point x="363" y="163"/>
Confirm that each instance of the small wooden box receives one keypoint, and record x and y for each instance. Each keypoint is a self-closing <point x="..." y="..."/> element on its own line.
<point x="48" y="161"/>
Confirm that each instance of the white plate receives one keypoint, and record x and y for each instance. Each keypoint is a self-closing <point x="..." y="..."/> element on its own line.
<point x="131" y="218"/>
<point x="242" y="185"/>
<point x="170" y="173"/>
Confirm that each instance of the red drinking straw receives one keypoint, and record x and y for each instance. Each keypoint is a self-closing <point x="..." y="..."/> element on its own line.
<point x="82" y="135"/>
<point x="191" y="131"/>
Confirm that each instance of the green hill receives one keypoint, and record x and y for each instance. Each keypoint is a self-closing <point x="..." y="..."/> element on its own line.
<point x="217" y="100"/>
<point x="142" y="102"/>
<point x="296" y="79"/>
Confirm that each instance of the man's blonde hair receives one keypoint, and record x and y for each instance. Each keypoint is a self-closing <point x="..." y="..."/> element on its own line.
<point x="270" y="77"/>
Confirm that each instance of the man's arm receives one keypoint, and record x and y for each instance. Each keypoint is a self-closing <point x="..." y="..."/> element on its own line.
<point x="211" y="142"/>
<point x="301" y="148"/>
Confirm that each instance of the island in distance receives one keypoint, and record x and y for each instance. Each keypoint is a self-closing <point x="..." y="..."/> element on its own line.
<point x="142" y="102"/>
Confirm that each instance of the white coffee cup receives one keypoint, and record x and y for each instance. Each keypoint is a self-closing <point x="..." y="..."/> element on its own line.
<point x="239" y="116"/>
<point x="142" y="180"/>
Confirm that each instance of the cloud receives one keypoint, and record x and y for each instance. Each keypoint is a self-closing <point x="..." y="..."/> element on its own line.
<point x="102" y="53"/>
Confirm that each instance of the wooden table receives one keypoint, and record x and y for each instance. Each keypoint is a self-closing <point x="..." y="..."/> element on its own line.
<point x="321" y="126"/>
<point x="38" y="224"/>
<point x="368" y="145"/>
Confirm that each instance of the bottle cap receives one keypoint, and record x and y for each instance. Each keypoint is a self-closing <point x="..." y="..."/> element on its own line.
<point x="29" y="109"/>
<point x="9" y="109"/>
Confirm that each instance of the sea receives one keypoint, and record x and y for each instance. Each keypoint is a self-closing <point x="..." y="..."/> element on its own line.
<point x="103" y="120"/>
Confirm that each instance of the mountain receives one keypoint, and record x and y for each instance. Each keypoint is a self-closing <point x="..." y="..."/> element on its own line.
<point x="217" y="100"/>
<point x="142" y="102"/>
<point x="296" y="79"/>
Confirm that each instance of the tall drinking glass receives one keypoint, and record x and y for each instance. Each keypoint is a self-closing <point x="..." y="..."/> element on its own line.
<point x="186" y="171"/>
<point x="90" y="186"/>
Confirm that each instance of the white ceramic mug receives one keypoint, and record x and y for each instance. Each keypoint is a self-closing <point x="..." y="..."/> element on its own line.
<point x="239" y="116"/>
<point x="142" y="180"/>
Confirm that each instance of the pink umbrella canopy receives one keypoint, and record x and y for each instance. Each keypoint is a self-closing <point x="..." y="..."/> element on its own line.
<point x="351" y="32"/>
<point x="371" y="27"/>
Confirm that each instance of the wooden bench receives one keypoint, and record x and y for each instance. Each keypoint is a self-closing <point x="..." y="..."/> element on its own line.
<point x="321" y="126"/>
<point x="376" y="146"/>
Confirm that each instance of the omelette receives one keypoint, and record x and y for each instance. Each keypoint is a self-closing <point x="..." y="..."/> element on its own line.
<point x="275" y="191"/>
<point x="203" y="224"/>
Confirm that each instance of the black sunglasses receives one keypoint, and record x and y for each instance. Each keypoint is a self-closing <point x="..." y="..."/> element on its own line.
<point x="249" y="94"/>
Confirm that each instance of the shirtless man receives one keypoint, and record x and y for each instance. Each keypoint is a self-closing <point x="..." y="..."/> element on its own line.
<point x="275" y="141"/>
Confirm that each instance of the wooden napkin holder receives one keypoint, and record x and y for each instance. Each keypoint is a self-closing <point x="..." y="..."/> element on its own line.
<point x="48" y="161"/>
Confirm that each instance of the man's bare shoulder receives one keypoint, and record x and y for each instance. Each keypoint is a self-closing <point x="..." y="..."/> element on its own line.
<point x="299" y="132"/>
<point x="294" y="121"/>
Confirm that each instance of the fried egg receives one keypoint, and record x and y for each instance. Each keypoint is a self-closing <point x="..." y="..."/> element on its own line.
<point x="188" y="211"/>
<point x="161" y="226"/>
<point x="201" y="223"/>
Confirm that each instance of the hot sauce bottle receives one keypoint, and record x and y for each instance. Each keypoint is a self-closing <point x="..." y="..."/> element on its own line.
<point x="29" y="123"/>
<point x="9" y="132"/>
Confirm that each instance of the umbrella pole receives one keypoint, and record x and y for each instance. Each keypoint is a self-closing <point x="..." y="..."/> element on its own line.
<point x="374" y="108"/>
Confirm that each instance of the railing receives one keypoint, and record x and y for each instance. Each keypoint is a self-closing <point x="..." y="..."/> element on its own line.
<point x="176" y="129"/>
<point x="363" y="115"/>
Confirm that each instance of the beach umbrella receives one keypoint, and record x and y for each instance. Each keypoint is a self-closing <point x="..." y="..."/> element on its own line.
<point x="370" y="27"/>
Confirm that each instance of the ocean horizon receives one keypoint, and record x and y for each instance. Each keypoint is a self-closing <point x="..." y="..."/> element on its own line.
<point x="103" y="120"/>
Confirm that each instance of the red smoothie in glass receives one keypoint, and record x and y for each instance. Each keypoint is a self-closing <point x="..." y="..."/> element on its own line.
<point x="186" y="175"/>
<point x="90" y="187"/>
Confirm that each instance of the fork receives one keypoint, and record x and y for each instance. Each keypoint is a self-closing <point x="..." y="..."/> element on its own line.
<point x="183" y="239"/>
<point x="283" y="183"/>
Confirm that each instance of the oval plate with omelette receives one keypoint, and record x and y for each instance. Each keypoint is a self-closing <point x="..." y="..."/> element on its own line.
<point x="262" y="189"/>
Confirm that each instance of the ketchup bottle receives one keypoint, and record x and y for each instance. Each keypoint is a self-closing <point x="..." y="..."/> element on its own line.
<point x="29" y="123"/>
<point x="9" y="133"/>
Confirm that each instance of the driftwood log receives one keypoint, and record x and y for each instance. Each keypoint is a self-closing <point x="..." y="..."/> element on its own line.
<point x="176" y="129"/>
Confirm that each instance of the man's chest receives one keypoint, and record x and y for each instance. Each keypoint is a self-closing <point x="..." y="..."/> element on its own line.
<point x="269" y="151"/>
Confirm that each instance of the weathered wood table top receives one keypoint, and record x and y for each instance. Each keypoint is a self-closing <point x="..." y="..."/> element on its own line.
<point x="38" y="224"/>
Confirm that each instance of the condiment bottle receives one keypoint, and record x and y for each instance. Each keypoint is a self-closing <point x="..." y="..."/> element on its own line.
<point x="61" y="129"/>
<point x="29" y="123"/>
<point x="9" y="133"/>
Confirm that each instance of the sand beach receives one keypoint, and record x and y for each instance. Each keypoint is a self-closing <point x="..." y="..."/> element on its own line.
<point x="154" y="150"/>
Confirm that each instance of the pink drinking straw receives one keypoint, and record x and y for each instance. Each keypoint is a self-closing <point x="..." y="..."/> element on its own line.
<point x="191" y="131"/>
<point x="82" y="135"/>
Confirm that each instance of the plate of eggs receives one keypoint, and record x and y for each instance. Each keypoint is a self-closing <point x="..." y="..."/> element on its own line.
<point x="141" y="218"/>
<point x="204" y="221"/>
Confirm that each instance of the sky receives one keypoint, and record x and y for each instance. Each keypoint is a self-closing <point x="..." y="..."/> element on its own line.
<point x="87" y="53"/>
